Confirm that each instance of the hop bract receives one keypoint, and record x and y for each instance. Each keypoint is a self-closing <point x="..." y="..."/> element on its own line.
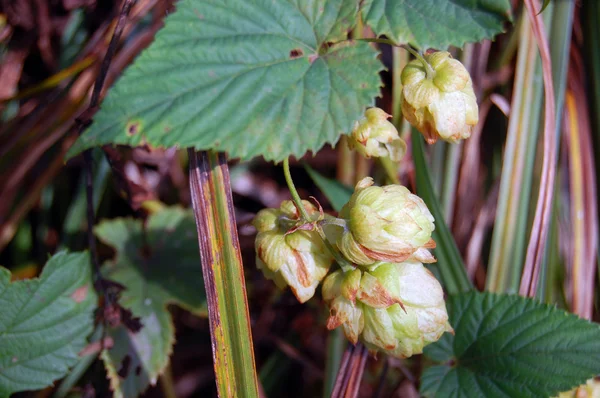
<point x="298" y="259"/>
<point x="440" y="102"/>
<point x="340" y="290"/>
<point x="385" y="224"/>
<point x="393" y="308"/>
<point x="375" y="136"/>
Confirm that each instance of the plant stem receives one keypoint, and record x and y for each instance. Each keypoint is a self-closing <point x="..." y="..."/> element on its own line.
<point x="345" y="172"/>
<point x="293" y="191"/>
<point x="417" y="54"/>
<point x="391" y="169"/>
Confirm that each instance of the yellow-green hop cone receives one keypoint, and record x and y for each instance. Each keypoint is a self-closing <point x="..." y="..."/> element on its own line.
<point x="589" y="390"/>
<point x="394" y="308"/>
<point x="420" y="317"/>
<point x="439" y="103"/>
<point x="299" y="259"/>
<point x="385" y="224"/>
<point x="374" y="136"/>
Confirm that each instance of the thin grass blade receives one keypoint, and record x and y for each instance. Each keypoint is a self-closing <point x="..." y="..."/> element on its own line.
<point x="233" y="354"/>
<point x="450" y="264"/>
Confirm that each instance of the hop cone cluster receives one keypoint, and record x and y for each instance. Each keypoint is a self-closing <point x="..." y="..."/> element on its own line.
<point x="387" y="299"/>
<point x="396" y="308"/>
<point x="390" y="302"/>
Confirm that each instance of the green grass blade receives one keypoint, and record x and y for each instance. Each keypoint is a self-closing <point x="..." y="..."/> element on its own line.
<point x="337" y="193"/>
<point x="510" y="229"/>
<point x="223" y="272"/>
<point x="450" y="264"/>
<point x="336" y="344"/>
<point x="561" y="28"/>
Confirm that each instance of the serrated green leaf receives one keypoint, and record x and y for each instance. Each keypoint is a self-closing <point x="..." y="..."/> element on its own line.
<point x="44" y="322"/>
<point x="511" y="346"/>
<point x="337" y="193"/>
<point x="164" y="268"/>
<point x="441" y="351"/>
<point x="437" y="24"/>
<point x="247" y="78"/>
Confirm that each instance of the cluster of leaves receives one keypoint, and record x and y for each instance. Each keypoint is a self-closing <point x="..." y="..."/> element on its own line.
<point x="281" y="74"/>
<point x="47" y="321"/>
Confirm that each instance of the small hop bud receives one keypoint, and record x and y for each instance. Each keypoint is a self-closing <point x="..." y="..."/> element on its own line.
<point x="298" y="259"/>
<point x="439" y="102"/>
<point x="375" y="136"/>
<point x="396" y="308"/>
<point x="385" y="224"/>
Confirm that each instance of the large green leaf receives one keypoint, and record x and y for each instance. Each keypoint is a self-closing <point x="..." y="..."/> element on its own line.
<point x="44" y="322"/>
<point x="511" y="346"/>
<point x="164" y="267"/>
<point x="437" y="24"/>
<point x="244" y="77"/>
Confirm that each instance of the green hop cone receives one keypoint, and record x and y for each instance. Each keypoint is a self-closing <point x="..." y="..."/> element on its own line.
<point x="374" y="136"/>
<point x="439" y="102"/>
<point x="394" y="308"/>
<point x="299" y="259"/>
<point x="385" y="224"/>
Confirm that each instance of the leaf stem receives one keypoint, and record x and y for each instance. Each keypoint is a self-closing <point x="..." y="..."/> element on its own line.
<point x="391" y="169"/>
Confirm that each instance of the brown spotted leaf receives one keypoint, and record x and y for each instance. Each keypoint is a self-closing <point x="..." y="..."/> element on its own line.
<point x="244" y="77"/>
<point x="162" y="267"/>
